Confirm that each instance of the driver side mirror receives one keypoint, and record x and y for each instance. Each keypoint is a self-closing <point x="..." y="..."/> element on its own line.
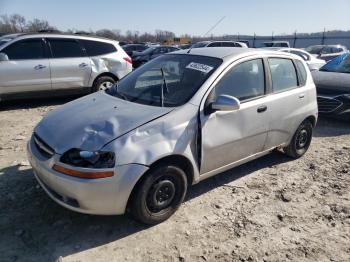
<point x="3" y="57"/>
<point x="224" y="103"/>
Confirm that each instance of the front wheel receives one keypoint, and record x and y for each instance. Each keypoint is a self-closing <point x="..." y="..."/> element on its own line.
<point x="301" y="140"/>
<point x="159" y="194"/>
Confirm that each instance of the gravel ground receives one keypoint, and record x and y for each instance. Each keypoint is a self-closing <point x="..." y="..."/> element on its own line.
<point x="272" y="209"/>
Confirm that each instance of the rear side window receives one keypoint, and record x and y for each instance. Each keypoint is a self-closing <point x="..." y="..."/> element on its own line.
<point x="228" y="44"/>
<point x="65" y="48"/>
<point x="96" y="48"/>
<point x="244" y="81"/>
<point x="301" y="72"/>
<point x="25" y="50"/>
<point x="283" y="74"/>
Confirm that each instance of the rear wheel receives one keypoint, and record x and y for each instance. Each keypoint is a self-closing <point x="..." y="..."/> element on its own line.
<point x="103" y="83"/>
<point x="301" y="140"/>
<point x="159" y="194"/>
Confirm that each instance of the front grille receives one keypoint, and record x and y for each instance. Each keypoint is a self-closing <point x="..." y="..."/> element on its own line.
<point x="327" y="104"/>
<point x="42" y="147"/>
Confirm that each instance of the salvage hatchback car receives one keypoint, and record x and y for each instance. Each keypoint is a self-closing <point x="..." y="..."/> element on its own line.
<point x="33" y="64"/>
<point x="173" y="122"/>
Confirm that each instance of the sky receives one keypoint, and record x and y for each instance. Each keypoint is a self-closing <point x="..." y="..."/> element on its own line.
<point x="194" y="17"/>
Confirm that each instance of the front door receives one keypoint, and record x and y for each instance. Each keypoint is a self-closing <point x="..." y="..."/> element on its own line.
<point x="229" y="136"/>
<point x="27" y="69"/>
<point x="70" y="67"/>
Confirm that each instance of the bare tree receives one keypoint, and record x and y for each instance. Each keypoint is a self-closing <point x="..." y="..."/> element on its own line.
<point x="37" y="25"/>
<point x="107" y="34"/>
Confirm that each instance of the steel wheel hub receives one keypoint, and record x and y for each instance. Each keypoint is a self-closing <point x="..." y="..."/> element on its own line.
<point x="161" y="194"/>
<point x="105" y="85"/>
<point x="302" y="138"/>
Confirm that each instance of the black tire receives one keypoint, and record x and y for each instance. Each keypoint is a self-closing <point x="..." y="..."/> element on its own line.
<point x="159" y="194"/>
<point x="301" y="140"/>
<point x="100" y="81"/>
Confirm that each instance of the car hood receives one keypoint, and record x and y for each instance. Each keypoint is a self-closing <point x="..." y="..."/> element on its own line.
<point x="331" y="83"/>
<point x="92" y="121"/>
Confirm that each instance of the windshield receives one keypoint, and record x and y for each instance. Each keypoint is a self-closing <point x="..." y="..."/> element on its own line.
<point x="147" y="51"/>
<point x="4" y="40"/>
<point x="314" y="49"/>
<point x="199" y="44"/>
<point x="169" y="80"/>
<point x="340" y="64"/>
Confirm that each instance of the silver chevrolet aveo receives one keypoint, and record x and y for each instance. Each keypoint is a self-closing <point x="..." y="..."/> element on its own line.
<point x="171" y="123"/>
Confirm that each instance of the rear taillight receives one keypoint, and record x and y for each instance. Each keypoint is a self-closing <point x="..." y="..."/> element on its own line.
<point x="128" y="59"/>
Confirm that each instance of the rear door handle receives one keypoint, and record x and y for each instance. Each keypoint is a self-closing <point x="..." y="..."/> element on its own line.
<point x="301" y="95"/>
<point x="82" y="65"/>
<point x="261" y="109"/>
<point x="38" y="67"/>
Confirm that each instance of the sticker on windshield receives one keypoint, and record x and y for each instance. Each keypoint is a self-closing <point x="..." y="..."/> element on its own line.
<point x="200" y="67"/>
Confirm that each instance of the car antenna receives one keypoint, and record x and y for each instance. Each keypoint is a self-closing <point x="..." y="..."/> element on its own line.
<point x="189" y="50"/>
<point x="164" y="84"/>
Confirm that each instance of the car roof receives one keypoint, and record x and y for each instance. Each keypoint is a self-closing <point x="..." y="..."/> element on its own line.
<point x="230" y="52"/>
<point x="59" y="35"/>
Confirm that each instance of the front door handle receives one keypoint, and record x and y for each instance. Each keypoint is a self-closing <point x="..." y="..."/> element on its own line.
<point x="301" y="95"/>
<point x="261" y="109"/>
<point x="38" y="67"/>
<point x="82" y="65"/>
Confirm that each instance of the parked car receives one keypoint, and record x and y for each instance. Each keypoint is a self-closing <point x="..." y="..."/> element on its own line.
<point x="333" y="87"/>
<point x="131" y="48"/>
<point x="219" y="44"/>
<point x="276" y="44"/>
<point x="312" y="62"/>
<point x="175" y="121"/>
<point x="184" y="46"/>
<point x="139" y="58"/>
<point x="33" y="63"/>
<point x="326" y="52"/>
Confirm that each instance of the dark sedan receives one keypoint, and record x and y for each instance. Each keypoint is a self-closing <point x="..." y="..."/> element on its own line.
<point x="131" y="48"/>
<point x="139" y="58"/>
<point x="333" y="87"/>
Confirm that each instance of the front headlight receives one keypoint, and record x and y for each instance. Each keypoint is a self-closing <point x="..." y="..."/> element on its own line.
<point x="88" y="159"/>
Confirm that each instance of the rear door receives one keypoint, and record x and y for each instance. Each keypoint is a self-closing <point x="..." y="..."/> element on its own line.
<point x="70" y="65"/>
<point x="287" y="102"/>
<point x="28" y="67"/>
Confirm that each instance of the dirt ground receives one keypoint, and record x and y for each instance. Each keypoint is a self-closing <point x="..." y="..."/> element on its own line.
<point x="272" y="209"/>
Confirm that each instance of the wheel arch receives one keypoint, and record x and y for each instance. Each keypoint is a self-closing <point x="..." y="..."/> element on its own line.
<point x="179" y="161"/>
<point x="312" y="119"/>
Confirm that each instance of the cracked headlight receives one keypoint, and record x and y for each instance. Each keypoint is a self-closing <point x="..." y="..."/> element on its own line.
<point x="88" y="159"/>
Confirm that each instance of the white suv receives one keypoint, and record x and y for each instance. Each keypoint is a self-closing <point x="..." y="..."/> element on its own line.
<point x="33" y="63"/>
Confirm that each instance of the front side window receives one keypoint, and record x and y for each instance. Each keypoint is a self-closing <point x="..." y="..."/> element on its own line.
<point x="169" y="80"/>
<point x="66" y="48"/>
<point x="25" y="50"/>
<point x="215" y="44"/>
<point x="283" y="74"/>
<point x="244" y="81"/>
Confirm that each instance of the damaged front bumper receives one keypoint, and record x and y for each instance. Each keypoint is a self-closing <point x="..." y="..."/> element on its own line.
<point x="103" y="196"/>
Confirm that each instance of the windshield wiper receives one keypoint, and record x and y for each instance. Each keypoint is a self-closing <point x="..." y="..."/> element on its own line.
<point x="164" y="84"/>
<point x="118" y="93"/>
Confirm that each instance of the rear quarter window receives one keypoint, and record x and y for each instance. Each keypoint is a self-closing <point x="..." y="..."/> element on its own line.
<point x="302" y="74"/>
<point x="96" y="48"/>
